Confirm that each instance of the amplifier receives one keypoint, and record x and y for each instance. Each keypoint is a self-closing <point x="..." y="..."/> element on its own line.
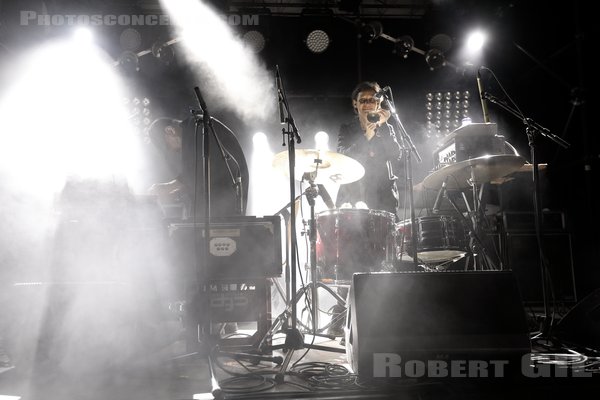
<point x="469" y="141"/>
<point x="516" y="221"/>
<point x="521" y="255"/>
<point x="238" y="302"/>
<point x="242" y="247"/>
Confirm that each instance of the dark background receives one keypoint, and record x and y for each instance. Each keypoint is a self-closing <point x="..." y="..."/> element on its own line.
<point x="539" y="52"/>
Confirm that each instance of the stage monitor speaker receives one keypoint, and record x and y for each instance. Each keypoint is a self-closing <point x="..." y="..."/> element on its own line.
<point x="522" y="257"/>
<point x="581" y="325"/>
<point x="431" y="317"/>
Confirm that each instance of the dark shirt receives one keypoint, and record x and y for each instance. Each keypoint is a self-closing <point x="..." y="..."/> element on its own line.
<point x="223" y="200"/>
<point x="375" y="187"/>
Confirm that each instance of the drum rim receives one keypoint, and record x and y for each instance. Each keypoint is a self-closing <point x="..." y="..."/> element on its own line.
<point x="430" y="217"/>
<point x="337" y="211"/>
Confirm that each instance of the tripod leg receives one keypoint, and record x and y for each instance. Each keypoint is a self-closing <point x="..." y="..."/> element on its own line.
<point x="280" y="376"/>
<point x="216" y="389"/>
<point x="332" y="292"/>
<point x="279" y="322"/>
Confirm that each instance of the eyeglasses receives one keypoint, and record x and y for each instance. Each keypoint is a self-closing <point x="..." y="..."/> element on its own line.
<point x="368" y="100"/>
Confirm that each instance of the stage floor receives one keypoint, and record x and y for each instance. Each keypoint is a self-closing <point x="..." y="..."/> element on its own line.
<point x="171" y="374"/>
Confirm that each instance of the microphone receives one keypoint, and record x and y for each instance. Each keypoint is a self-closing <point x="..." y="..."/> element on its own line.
<point x="373" y="117"/>
<point x="378" y="95"/>
<point x="436" y="204"/>
<point x="484" y="105"/>
<point x="279" y="86"/>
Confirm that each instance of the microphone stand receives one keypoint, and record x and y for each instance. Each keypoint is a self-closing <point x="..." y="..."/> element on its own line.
<point x="533" y="129"/>
<point x="294" y="340"/>
<point x="236" y="180"/>
<point x="408" y="148"/>
<point x="202" y="275"/>
<point x="206" y="125"/>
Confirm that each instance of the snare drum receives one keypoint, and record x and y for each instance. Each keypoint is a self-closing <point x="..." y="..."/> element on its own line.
<point x="353" y="240"/>
<point x="439" y="238"/>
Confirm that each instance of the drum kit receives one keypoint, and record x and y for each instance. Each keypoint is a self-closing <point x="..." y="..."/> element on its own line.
<point x="350" y="240"/>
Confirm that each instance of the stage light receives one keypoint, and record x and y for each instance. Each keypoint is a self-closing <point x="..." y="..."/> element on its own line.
<point x="163" y="51"/>
<point x="435" y="59"/>
<point x="403" y="46"/>
<point x="318" y="41"/>
<point x="83" y="36"/>
<point x="130" y="39"/>
<point x="261" y="199"/>
<point x="129" y="62"/>
<point x="371" y="30"/>
<point x="444" y="111"/>
<point x="259" y="140"/>
<point x="321" y="140"/>
<point x="475" y="41"/>
<point x="254" y="40"/>
<point x="441" y="41"/>
<point x="87" y="129"/>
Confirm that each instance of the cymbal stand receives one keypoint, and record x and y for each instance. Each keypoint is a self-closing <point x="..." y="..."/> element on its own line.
<point x="476" y="245"/>
<point x="311" y="193"/>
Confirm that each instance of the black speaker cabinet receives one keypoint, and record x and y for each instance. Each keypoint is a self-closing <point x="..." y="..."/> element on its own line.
<point x="240" y="248"/>
<point x="430" y="317"/>
<point x="581" y="325"/>
<point x="522" y="257"/>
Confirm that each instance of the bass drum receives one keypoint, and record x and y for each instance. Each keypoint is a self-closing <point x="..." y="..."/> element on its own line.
<point x="353" y="240"/>
<point x="439" y="238"/>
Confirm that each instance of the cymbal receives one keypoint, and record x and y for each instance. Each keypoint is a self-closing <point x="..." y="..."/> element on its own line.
<point x="332" y="168"/>
<point x="526" y="168"/>
<point x="484" y="169"/>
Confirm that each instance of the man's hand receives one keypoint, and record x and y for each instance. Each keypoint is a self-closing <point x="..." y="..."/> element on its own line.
<point x="370" y="127"/>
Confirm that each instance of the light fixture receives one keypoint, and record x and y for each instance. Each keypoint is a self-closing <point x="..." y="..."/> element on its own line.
<point x="130" y="39"/>
<point x="254" y="40"/>
<point x="445" y="111"/>
<point x="317" y="41"/>
<point x="435" y="59"/>
<point x="163" y="51"/>
<point x="129" y="62"/>
<point x="403" y="46"/>
<point x="441" y="41"/>
<point x="371" y="30"/>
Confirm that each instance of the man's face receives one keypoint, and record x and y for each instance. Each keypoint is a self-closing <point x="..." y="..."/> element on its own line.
<point x="365" y="102"/>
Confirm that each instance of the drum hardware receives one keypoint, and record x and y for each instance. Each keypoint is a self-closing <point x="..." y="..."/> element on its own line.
<point x="353" y="240"/>
<point x="440" y="239"/>
<point x="474" y="170"/>
<point x="472" y="174"/>
<point x="311" y="194"/>
<point x="476" y="246"/>
<point x="317" y="167"/>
